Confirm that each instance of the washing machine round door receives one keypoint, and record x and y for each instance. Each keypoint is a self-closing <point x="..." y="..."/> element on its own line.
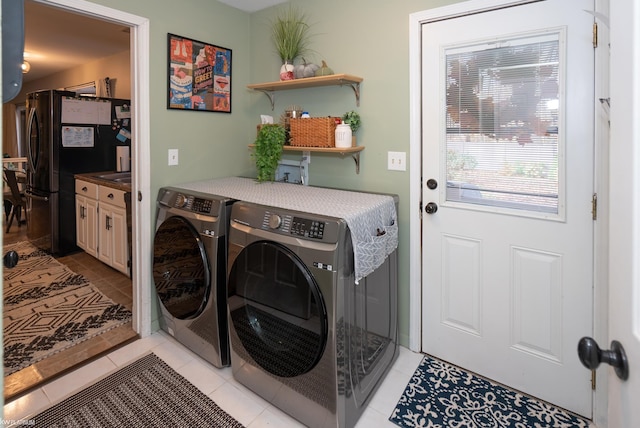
<point x="180" y="268"/>
<point x="276" y="309"/>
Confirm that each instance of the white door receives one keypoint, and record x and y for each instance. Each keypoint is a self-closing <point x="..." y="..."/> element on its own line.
<point x="624" y="296"/>
<point x="508" y="144"/>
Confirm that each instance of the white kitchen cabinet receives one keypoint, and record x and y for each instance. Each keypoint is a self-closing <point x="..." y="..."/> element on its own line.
<point x="112" y="228"/>
<point x="87" y="217"/>
<point x="101" y="224"/>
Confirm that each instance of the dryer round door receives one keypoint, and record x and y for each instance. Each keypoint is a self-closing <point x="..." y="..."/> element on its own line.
<point x="276" y="309"/>
<point x="180" y="268"/>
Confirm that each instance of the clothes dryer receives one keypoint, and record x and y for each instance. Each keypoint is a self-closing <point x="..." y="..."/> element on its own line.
<point x="189" y="270"/>
<point x="303" y="334"/>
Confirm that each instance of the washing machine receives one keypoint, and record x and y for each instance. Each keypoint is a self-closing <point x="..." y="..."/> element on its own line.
<point x="189" y="270"/>
<point x="303" y="334"/>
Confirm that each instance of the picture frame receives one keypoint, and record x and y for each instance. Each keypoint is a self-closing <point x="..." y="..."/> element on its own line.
<point x="199" y="75"/>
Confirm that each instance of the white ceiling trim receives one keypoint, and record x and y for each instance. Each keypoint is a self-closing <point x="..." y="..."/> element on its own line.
<point x="251" y="5"/>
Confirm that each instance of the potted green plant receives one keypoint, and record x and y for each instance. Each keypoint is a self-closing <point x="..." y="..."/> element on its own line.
<point x="268" y="150"/>
<point x="353" y="119"/>
<point x="290" y="34"/>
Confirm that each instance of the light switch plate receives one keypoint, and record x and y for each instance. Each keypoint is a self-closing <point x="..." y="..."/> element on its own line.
<point x="397" y="161"/>
<point x="173" y="156"/>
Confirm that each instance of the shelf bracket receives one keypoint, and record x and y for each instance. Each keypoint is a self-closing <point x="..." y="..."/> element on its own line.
<point x="356" y="158"/>
<point x="270" y="95"/>
<point x="356" y="90"/>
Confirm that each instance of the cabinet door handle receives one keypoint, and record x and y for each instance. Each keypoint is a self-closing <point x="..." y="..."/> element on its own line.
<point x="108" y="222"/>
<point x="82" y="212"/>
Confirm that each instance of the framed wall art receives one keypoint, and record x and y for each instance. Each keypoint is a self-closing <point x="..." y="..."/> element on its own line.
<point x="199" y="76"/>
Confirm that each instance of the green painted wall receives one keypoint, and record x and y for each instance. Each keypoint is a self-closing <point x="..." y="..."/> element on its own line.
<point x="370" y="39"/>
<point x="367" y="38"/>
<point x="210" y="144"/>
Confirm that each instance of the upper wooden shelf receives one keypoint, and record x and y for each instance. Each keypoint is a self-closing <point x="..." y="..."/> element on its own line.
<point x="269" y="88"/>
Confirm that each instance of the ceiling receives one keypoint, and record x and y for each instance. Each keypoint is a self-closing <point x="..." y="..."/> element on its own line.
<point x="56" y="39"/>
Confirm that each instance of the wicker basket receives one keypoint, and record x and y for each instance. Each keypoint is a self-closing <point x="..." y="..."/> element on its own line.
<point x="313" y="132"/>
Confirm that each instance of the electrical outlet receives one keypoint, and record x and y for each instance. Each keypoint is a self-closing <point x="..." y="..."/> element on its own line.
<point x="173" y="156"/>
<point x="397" y="161"/>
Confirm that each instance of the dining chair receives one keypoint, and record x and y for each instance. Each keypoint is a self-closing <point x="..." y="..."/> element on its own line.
<point x="15" y="197"/>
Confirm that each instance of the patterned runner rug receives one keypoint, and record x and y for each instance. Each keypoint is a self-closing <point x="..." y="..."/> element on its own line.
<point x="146" y="393"/>
<point x="49" y="308"/>
<point x="440" y="395"/>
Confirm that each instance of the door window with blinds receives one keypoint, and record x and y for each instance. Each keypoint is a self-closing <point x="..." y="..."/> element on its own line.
<point x="503" y="139"/>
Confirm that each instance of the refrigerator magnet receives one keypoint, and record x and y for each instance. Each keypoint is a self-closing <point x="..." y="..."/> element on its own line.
<point x="123" y="135"/>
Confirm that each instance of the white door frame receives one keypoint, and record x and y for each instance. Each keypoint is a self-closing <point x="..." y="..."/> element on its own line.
<point x="416" y="20"/>
<point x="140" y="136"/>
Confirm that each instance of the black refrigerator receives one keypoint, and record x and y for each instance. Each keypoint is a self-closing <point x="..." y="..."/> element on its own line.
<point x="68" y="135"/>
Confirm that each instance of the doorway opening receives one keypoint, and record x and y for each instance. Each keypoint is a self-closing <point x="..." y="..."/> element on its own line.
<point x="140" y="136"/>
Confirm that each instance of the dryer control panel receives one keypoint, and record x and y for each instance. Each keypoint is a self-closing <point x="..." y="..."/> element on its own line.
<point x="194" y="204"/>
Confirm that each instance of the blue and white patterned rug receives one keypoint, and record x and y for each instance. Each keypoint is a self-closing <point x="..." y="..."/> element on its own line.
<point x="440" y="395"/>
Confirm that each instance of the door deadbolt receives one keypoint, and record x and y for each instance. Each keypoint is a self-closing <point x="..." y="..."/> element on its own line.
<point x="432" y="184"/>
<point x="591" y="356"/>
<point x="431" y="208"/>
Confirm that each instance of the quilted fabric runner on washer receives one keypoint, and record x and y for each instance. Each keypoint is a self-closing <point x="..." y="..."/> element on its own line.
<point x="371" y="217"/>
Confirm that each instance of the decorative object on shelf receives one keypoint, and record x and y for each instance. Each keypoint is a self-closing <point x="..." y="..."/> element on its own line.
<point x="305" y="69"/>
<point x="313" y="132"/>
<point x="343" y="136"/>
<point x="268" y="150"/>
<point x="293" y="111"/>
<point x="324" y="70"/>
<point x="199" y="76"/>
<point x="286" y="71"/>
<point x="352" y="118"/>
<point x="290" y="34"/>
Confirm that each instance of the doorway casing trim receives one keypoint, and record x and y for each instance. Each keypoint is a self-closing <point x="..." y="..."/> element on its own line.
<point x="140" y="136"/>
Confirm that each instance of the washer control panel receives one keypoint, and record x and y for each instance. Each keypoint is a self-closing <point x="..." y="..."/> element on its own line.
<point x="298" y="226"/>
<point x="307" y="228"/>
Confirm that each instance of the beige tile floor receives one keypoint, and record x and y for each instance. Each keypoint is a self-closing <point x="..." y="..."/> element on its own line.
<point x="110" y="282"/>
<point x="248" y="408"/>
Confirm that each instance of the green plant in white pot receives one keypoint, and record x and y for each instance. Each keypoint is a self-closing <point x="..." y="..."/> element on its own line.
<point x="291" y="37"/>
<point x="268" y="150"/>
<point x="352" y="118"/>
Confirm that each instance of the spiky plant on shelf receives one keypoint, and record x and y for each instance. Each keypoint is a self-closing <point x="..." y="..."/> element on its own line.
<point x="291" y="37"/>
<point x="268" y="151"/>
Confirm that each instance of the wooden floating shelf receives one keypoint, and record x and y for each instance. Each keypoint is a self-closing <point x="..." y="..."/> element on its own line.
<point x="339" y="150"/>
<point x="307" y="82"/>
<point x="269" y="88"/>
<point x="353" y="151"/>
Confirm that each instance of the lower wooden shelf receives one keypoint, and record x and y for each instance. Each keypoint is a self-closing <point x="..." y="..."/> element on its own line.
<point x="353" y="151"/>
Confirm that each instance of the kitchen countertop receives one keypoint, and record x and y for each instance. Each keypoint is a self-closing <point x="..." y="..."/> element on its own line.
<point x="93" y="177"/>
